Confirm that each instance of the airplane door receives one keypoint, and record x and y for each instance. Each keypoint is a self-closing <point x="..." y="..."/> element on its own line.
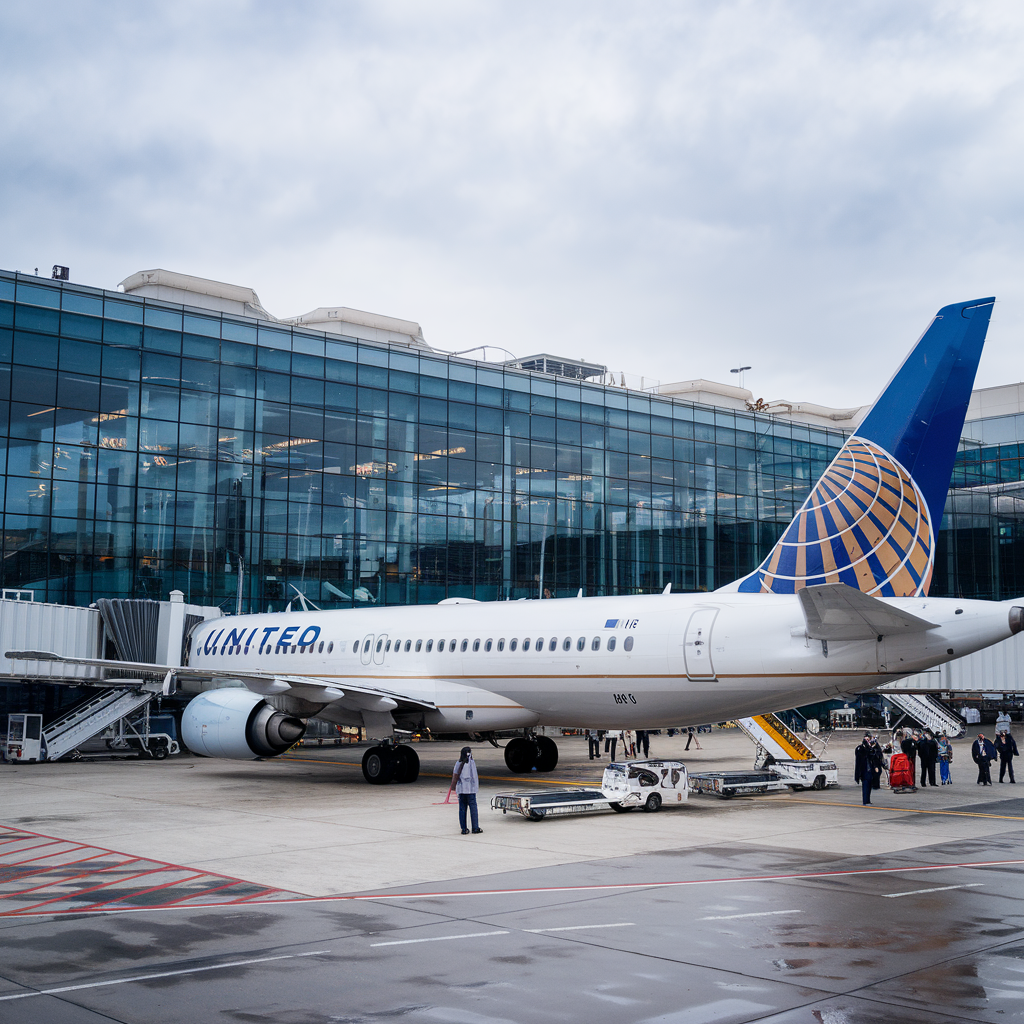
<point x="366" y="651"/>
<point x="697" y="644"/>
<point x="379" y="649"/>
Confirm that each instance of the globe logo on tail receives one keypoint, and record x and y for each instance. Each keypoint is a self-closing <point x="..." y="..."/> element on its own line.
<point x="865" y="524"/>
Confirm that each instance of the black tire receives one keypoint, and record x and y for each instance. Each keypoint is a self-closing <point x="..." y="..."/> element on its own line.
<point x="378" y="765"/>
<point x="615" y="806"/>
<point x="727" y="794"/>
<point x="407" y="764"/>
<point x="160" y="752"/>
<point x="536" y="815"/>
<point x="519" y="756"/>
<point x="548" y="754"/>
<point x="819" y="782"/>
<point x="653" y="803"/>
<point x="797" y="789"/>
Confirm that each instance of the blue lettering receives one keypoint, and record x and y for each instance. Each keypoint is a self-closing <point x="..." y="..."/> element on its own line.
<point x="235" y="637"/>
<point x="267" y="631"/>
<point x="286" y="636"/>
<point x="251" y="635"/>
<point x="211" y="642"/>
<point x="309" y="635"/>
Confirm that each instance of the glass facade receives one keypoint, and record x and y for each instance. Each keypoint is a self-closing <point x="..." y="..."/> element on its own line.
<point x="152" y="447"/>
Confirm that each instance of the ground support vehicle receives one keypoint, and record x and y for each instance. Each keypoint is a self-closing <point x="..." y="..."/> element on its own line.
<point x="806" y="774"/>
<point x="738" y="783"/>
<point x="625" y="786"/>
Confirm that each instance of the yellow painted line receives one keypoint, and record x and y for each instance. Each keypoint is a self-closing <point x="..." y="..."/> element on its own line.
<point x="911" y="810"/>
<point x="443" y="775"/>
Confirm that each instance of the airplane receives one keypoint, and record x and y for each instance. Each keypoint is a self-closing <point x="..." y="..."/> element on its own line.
<point x="840" y="605"/>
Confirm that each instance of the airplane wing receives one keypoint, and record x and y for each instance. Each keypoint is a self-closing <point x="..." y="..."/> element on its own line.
<point x="835" y="611"/>
<point x="352" y="692"/>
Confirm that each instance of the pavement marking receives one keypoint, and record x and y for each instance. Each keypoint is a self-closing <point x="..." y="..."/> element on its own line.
<point x="763" y="913"/>
<point x="438" y="938"/>
<point x="162" y="974"/>
<point x="941" y="888"/>
<point x="908" y="810"/>
<point x="580" y="927"/>
<point x="610" y="887"/>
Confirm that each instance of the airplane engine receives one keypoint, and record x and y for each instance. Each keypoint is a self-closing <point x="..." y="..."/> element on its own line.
<point x="237" y="724"/>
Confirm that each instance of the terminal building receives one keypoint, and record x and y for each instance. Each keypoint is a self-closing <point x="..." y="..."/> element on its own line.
<point x="173" y="435"/>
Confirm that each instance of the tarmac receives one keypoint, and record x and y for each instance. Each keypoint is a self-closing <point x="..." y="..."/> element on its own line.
<point x="291" y="891"/>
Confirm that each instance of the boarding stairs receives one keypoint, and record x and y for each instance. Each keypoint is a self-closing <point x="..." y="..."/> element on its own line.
<point x="92" y="716"/>
<point x="774" y="737"/>
<point x="929" y="713"/>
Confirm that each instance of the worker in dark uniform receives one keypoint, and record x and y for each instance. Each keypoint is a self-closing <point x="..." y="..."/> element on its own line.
<point x="1006" y="748"/>
<point x="867" y="766"/>
<point x="928" y="754"/>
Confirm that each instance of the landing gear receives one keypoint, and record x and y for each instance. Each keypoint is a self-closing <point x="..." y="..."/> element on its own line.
<point x="522" y="755"/>
<point x="387" y="762"/>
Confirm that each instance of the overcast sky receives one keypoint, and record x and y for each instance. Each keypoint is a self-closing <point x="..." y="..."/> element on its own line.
<point x="672" y="189"/>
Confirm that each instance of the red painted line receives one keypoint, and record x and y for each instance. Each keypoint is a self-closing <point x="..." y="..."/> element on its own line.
<point x="196" y="895"/>
<point x="45" y="856"/>
<point x="253" y="896"/>
<point x="80" y="892"/>
<point x="39" y="846"/>
<point x="142" y="892"/>
<point x="625" y="886"/>
<point x="68" y="878"/>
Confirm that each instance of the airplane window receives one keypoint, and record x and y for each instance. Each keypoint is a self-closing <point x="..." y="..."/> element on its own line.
<point x="611" y="643"/>
<point x="430" y="644"/>
<point x="321" y="647"/>
<point x="476" y="645"/>
<point x="465" y="644"/>
<point x="380" y="644"/>
<point x="388" y="647"/>
<point x="366" y="645"/>
<point x="355" y="647"/>
<point x="408" y="646"/>
<point x="501" y="644"/>
<point x="581" y="643"/>
<point x="567" y="643"/>
<point x="513" y="644"/>
<point x="302" y="650"/>
<point x="526" y="644"/>
<point x="451" y="646"/>
<point x="330" y="647"/>
<point x="627" y="644"/>
<point x="553" y="644"/>
<point x="595" y="644"/>
<point x="419" y="644"/>
<point x="440" y="647"/>
<point x="489" y="644"/>
<point x="294" y="649"/>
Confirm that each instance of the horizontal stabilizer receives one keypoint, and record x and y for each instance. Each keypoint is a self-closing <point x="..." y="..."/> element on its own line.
<point x="838" y="612"/>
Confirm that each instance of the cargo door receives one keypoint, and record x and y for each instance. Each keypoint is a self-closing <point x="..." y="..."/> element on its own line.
<point x="697" y="644"/>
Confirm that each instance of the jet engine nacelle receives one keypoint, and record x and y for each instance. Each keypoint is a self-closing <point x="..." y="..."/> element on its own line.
<point x="237" y="724"/>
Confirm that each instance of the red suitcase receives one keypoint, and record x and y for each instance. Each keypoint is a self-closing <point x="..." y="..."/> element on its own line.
<point x="901" y="774"/>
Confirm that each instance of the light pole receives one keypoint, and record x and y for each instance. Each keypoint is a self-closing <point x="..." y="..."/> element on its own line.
<point x="740" y="370"/>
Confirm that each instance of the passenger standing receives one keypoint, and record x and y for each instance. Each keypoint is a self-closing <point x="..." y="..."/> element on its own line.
<point x="691" y="737"/>
<point x="983" y="753"/>
<point x="1006" y="748"/>
<point x="643" y="742"/>
<point x="867" y="765"/>
<point x="594" y="744"/>
<point x="609" y="744"/>
<point x="466" y="783"/>
<point x="945" y="760"/>
<point x="628" y="743"/>
<point x="1002" y="722"/>
<point x="928" y="753"/>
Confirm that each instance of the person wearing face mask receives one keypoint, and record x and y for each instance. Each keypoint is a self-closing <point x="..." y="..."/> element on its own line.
<point x="466" y="783"/>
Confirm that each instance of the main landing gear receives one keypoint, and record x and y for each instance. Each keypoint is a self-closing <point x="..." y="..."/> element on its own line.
<point x="388" y="762"/>
<point x="523" y="754"/>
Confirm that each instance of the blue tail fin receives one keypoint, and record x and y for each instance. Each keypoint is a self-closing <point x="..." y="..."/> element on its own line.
<point x="871" y="520"/>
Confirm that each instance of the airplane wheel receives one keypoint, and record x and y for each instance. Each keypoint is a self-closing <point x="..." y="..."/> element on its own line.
<point x="819" y="782"/>
<point x="548" y="754"/>
<point x="378" y="765"/>
<point x="615" y="806"/>
<point x="519" y="756"/>
<point x="407" y="764"/>
<point x="653" y="803"/>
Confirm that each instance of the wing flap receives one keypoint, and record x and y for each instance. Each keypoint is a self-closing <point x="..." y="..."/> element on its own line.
<point x="835" y="611"/>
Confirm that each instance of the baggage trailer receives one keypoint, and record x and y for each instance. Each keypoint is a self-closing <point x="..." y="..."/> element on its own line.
<point x="537" y="806"/>
<point x="737" y="783"/>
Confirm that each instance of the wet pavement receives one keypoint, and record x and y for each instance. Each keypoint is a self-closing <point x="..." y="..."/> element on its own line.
<point x="909" y="911"/>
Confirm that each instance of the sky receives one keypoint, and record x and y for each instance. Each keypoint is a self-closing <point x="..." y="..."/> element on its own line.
<point x="672" y="189"/>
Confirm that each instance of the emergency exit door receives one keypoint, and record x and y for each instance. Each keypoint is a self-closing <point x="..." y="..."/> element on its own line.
<point x="697" y="644"/>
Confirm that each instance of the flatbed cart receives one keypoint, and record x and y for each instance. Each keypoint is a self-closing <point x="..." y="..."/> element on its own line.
<point x="738" y="783"/>
<point x="537" y="806"/>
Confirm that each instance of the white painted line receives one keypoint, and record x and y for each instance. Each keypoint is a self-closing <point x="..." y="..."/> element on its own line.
<point x="918" y="892"/>
<point x="439" y="938"/>
<point x="580" y="927"/>
<point x="763" y="913"/>
<point x="162" y="974"/>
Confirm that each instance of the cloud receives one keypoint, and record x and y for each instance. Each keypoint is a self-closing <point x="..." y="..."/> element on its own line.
<point x="668" y="188"/>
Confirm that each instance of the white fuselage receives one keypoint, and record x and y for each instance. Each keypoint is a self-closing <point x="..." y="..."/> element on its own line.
<point x="677" y="659"/>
